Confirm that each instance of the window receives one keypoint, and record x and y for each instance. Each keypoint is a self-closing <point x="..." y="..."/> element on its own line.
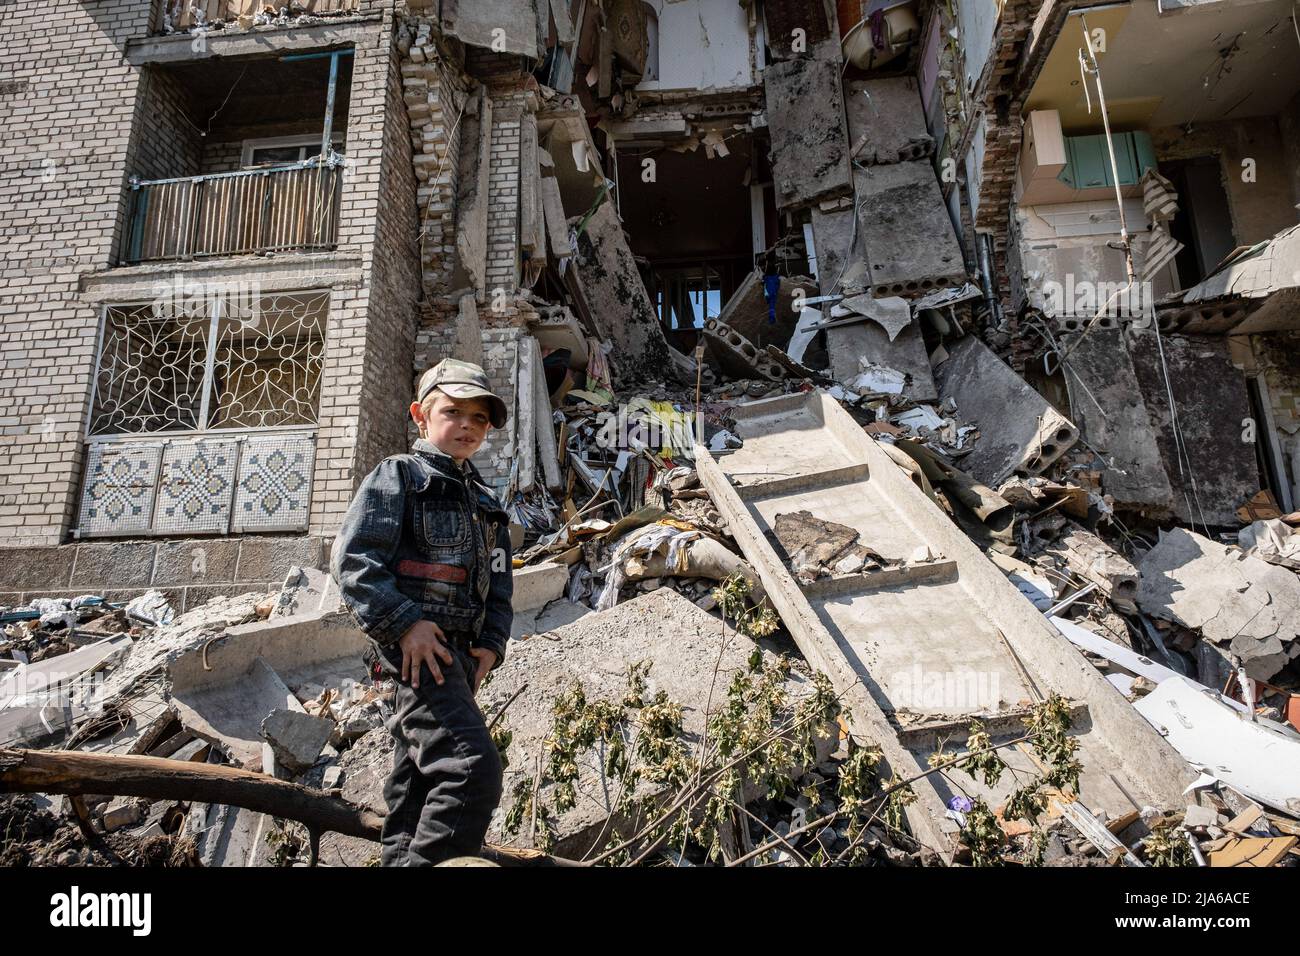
<point x="280" y="150"/>
<point x="203" y="412"/>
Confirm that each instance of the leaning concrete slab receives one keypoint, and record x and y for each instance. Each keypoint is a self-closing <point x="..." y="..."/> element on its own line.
<point x="1210" y="402"/>
<point x="878" y="643"/>
<point x="748" y="311"/>
<point x="1248" y="607"/>
<point x="810" y="144"/>
<point x="1106" y="402"/>
<point x="910" y="245"/>
<point x="1019" y="430"/>
<point x="1120" y="383"/>
<point x="886" y="121"/>
<point x="613" y="290"/>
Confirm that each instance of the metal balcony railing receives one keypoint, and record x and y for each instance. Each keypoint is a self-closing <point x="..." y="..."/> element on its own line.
<point x="292" y="208"/>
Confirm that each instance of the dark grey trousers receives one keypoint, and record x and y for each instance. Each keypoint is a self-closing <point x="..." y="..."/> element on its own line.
<point x="446" y="778"/>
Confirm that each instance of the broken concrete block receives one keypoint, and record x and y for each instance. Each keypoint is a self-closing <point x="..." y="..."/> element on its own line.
<point x="122" y="812"/>
<point x="886" y="121"/>
<point x="332" y="778"/>
<point x="684" y="646"/>
<point x="306" y="591"/>
<point x="502" y="26"/>
<point x="1196" y="817"/>
<point x="537" y="585"/>
<point x="810" y="143"/>
<point x="612" y="288"/>
<point x="853" y="348"/>
<point x="1094" y="560"/>
<point x="1246" y="606"/>
<point x="737" y="356"/>
<point x="296" y="738"/>
<point x="907" y="235"/>
<point x="1019" y="430"/>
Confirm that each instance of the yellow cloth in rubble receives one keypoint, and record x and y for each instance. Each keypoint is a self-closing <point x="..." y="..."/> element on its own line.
<point x="674" y="429"/>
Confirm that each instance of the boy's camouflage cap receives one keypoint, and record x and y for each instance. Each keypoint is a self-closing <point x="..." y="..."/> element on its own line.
<point x="462" y="380"/>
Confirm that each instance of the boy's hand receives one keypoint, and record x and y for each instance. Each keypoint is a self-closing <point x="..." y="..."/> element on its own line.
<point x="487" y="659"/>
<point x="419" y="646"/>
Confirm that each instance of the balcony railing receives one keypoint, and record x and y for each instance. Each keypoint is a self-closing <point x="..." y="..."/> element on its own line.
<point x="290" y="208"/>
<point x="183" y="14"/>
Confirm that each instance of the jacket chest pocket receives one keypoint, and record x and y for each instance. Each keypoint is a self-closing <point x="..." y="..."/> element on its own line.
<point x="443" y="524"/>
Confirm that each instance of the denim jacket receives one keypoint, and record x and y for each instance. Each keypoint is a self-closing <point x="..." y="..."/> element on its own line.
<point x="418" y="541"/>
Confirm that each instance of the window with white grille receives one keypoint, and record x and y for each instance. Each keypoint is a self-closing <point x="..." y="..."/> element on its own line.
<point x="203" y="414"/>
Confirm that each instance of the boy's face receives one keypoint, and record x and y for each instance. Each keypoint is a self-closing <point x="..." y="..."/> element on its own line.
<point x="456" y="425"/>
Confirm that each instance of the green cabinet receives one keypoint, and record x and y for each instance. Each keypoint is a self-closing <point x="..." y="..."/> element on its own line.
<point x="1087" y="163"/>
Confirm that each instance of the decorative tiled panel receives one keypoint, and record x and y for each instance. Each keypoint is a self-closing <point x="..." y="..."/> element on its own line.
<point x="274" y="489"/>
<point x="119" y="492"/>
<point x="197" y="487"/>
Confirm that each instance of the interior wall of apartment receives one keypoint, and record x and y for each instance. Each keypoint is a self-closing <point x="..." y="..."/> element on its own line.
<point x="1288" y="122"/>
<point x="169" y="145"/>
<point x="1277" y="357"/>
<point x="1261" y="207"/>
<point x="702" y="45"/>
<point x="1060" y="241"/>
<point x="977" y="22"/>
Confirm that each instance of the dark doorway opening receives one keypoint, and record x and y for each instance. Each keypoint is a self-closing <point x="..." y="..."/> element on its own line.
<point x="1204" y="221"/>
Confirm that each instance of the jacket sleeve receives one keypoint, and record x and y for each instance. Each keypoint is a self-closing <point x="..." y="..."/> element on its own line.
<point x="364" y="553"/>
<point x="499" y="615"/>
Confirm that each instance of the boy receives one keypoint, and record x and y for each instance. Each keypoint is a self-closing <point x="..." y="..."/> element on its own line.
<point x="423" y="562"/>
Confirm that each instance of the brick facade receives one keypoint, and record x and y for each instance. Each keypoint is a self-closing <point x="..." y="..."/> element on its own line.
<point x="69" y="113"/>
<point x="64" y="205"/>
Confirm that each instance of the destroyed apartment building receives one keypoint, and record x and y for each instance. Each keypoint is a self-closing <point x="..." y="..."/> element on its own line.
<point x="904" y="433"/>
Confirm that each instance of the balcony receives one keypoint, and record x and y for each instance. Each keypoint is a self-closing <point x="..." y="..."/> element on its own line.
<point x="291" y="208"/>
<point x="181" y="15"/>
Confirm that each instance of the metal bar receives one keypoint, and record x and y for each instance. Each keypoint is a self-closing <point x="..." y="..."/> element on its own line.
<point x="279" y="167"/>
<point x="209" y="363"/>
<point x="291" y="57"/>
<point x="1095" y="69"/>
<point x="329" y="106"/>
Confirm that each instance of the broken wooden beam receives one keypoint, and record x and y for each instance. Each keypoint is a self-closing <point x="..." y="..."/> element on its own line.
<point x="75" y="773"/>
